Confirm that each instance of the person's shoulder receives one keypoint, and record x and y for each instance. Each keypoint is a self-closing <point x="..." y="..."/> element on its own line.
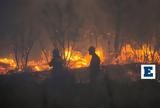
<point x="96" y="56"/>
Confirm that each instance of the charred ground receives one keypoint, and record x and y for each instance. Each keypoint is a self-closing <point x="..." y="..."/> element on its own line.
<point x="119" y="86"/>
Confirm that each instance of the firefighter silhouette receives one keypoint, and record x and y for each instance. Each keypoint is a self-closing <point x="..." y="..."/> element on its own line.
<point x="56" y="63"/>
<point x="94" y="64"/>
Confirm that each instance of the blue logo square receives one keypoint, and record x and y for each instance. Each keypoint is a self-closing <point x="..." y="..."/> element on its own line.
<point x="148" y="71"/>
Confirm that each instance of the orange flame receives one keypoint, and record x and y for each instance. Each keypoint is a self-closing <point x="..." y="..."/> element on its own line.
<point x="145" y="54"/>
<point x="8" y="64"/>
<point x="75" y="59"/>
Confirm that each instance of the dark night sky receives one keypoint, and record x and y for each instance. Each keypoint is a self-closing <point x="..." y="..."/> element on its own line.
<point x="140" y="18"/>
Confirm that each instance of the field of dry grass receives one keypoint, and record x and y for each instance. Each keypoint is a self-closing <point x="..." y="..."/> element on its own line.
<point x="117" y="87"/>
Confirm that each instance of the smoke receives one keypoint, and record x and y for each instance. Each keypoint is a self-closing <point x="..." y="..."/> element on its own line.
<point x="139" y="18"/>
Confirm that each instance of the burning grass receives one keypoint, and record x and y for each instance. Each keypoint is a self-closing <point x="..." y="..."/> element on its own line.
<point x="75" y="59"/>
<point x="145" y="54"/>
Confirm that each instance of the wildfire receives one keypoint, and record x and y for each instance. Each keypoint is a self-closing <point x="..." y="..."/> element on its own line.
<point x="38" y="66"/>
<point x="6" y="64"/>
<point x="145" y="54"/>
<point x="75" y="59"/>
<point x="10" y="62"/>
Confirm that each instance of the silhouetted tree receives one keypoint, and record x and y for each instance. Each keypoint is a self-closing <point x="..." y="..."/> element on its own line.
<point x="118" y="25"/>
<point x="22" y="43"/>
<point x="62" y="24"/>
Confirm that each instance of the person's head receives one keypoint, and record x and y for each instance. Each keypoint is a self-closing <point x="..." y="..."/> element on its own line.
<point x="56" y="53"/>
<point x="91" y="50"/>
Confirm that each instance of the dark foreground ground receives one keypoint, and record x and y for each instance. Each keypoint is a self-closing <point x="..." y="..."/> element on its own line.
<point x="116" y="87"/>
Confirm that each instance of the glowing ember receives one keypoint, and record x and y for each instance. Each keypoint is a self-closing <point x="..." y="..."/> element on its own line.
<point x="38" y="65"/>
<point x="38" y="68"/>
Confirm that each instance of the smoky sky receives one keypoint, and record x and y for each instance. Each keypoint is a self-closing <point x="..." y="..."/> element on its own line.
<point x="139" y="19"/>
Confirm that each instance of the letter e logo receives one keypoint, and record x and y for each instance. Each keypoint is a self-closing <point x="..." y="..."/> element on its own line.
<point x="148" y="71"/>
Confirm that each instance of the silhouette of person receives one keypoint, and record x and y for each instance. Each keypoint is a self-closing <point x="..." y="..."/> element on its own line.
<point x="56" y="63"/>
<point x="94" y="64"/>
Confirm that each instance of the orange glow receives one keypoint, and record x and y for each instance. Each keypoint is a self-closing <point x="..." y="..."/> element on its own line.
<point x="10" y="62"/>
<point x="6" y="65"/>
<point x="145" y="54"/>
<point x="75" y="59"/>
<point x="38" y="66"/>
